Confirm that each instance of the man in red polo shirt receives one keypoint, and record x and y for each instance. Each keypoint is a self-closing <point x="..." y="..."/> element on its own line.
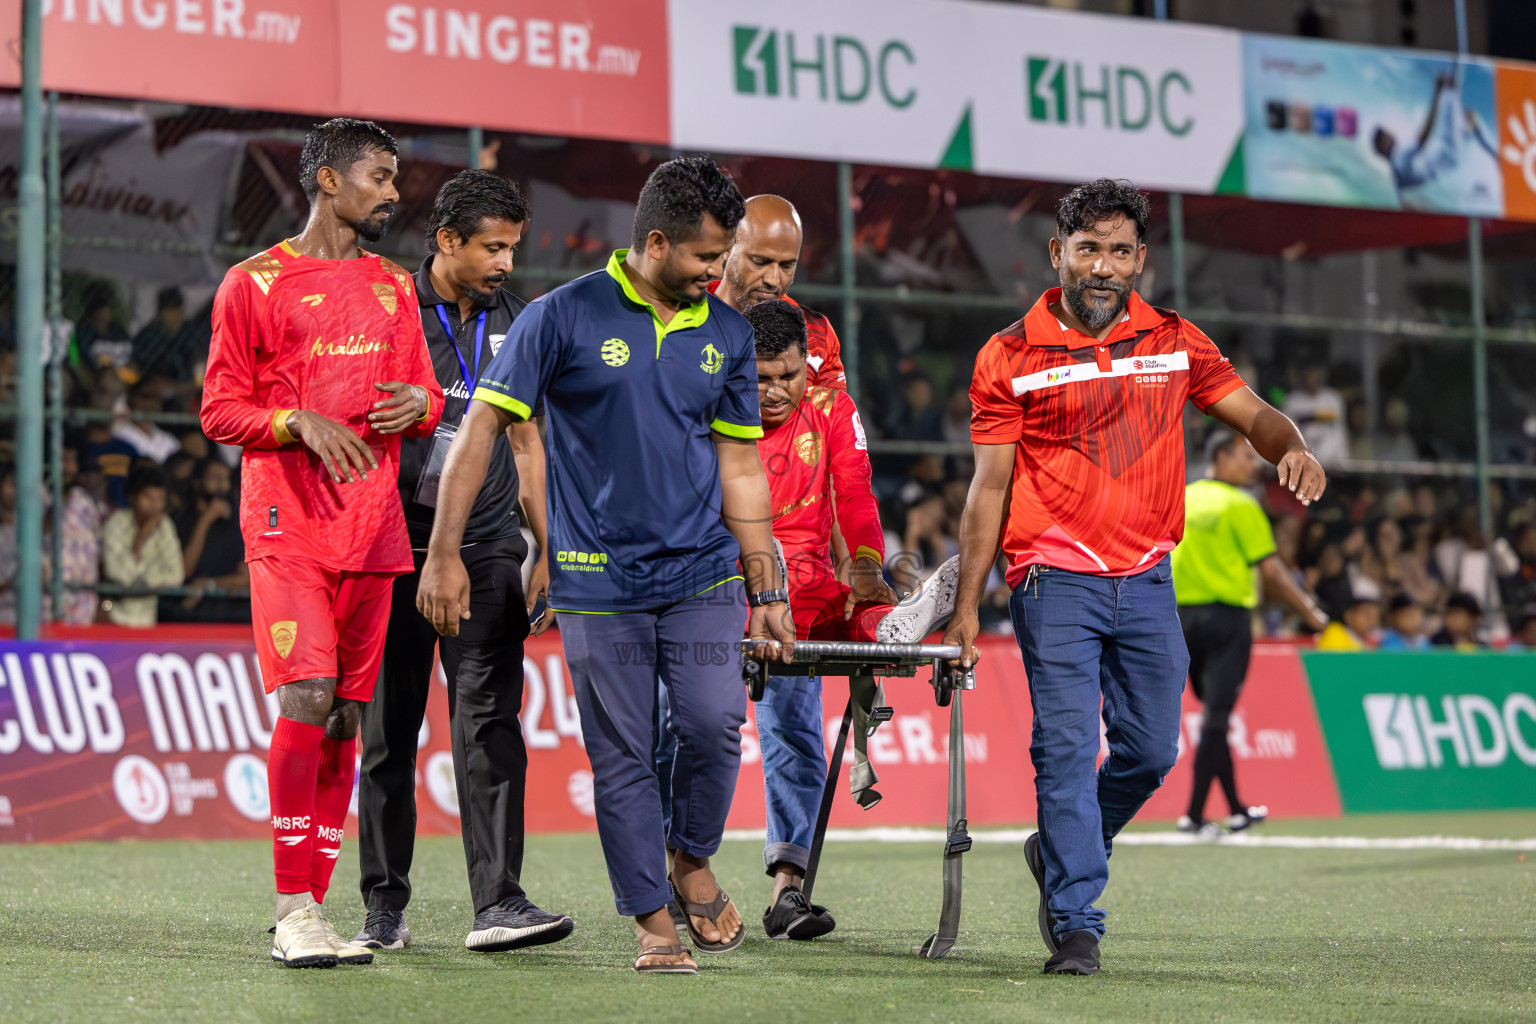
<point x="761" y="266"/>
<point x="1077" y="409"/>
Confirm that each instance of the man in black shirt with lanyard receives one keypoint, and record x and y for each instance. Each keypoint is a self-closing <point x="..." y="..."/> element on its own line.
<point x="477" y="221"/>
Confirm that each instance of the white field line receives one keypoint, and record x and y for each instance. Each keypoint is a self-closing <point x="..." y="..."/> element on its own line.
<point x="1248" y="840"/>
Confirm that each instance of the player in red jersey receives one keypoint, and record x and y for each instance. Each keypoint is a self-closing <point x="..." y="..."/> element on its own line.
<point x="815" y="456"/>
<point x="761" y="266"/>
<point x="316" y="366"/>
<point x="1077" y="420"/>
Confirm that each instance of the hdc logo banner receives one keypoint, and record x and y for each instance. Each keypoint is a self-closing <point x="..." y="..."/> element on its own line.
<point x="969" y="86"/>
<point x="1430" y="731"/>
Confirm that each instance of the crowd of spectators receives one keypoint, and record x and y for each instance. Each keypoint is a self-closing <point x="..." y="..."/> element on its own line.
<point x="1395" y="561"/>
<point x="148" y="530"/>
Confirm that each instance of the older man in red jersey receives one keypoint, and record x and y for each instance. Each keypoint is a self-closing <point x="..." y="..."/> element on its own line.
<point x="317" y="365"/>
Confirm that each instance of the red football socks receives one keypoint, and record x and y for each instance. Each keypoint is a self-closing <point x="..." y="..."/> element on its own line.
<point x="293" y="764"/>
<point x="333" y="795"/>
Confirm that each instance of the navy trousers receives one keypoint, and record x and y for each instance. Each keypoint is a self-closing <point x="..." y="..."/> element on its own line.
<point x="694" y="646"/>
<point x="1092" y="641"/>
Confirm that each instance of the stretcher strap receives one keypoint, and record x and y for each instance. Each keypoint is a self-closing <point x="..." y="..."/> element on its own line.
<point x="865" y="694"/>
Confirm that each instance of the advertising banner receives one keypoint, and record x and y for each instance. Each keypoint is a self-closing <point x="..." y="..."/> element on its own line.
<point x="119" y="183"/>
<point x="592" y="68"/>
<point x="1365" y="126"/>
<point x="109" y="740"/>
<point x="1428" y="731"/>
<point x="1515" y="85"/>
<point x="1001" y="90"/>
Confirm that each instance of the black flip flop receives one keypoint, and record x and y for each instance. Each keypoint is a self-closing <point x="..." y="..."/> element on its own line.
<point x="664" y="968"/>
<point x="710" y="911"/>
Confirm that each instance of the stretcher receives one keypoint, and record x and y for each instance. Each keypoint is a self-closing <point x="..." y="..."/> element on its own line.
<point x="863" y="664"/>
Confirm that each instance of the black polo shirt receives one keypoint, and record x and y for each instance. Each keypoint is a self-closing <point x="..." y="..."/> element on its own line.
<point x="495" y="515"/>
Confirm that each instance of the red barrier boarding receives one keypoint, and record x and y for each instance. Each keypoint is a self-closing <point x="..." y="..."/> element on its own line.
<point x="164" y="735"/>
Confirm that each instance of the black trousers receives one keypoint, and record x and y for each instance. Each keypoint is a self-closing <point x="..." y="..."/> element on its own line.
<point x="1220" y="640"/>
<point x="484" y="669"/>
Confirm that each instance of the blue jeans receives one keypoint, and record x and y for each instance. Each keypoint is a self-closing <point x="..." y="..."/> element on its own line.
<point x="1085" y="638"/>
<point x="794" y="766"/>
<point x="614" y="661"/>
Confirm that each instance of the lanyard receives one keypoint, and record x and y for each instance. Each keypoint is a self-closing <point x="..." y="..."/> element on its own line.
<point x="469" y="382"/>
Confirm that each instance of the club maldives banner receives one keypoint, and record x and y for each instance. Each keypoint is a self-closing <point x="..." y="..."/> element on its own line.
<point x="994" y="88"/>
<point x="1429" y="731"/>
<point x="109" y="740"/>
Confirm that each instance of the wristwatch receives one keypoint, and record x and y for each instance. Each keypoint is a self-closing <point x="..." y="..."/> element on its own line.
<point x="763" y="597"/>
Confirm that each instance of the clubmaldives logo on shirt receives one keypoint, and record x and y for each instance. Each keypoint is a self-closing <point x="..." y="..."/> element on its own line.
<point x="1057" y="376"/>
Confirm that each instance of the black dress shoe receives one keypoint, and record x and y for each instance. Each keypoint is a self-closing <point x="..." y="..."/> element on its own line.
<point x="1037" y="868"/>
<point x="792" y="916"/>
<point x="1079" y="954"/>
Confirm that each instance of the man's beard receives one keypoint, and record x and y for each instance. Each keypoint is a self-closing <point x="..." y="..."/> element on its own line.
<point x="371" y="230"/>
<point x="1094" y="316"/>
<point x="739" y="287"/>
<point x="482" y="292"/>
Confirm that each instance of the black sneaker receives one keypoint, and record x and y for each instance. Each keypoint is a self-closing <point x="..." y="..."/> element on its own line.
<point x="515" y="923"/>
<point x="1037" y="868"/>
<point x="1079" y="954"/>
<point x="384" y="929"/>
<point x="792" y="916"/>
<point x="1247" y="818"/>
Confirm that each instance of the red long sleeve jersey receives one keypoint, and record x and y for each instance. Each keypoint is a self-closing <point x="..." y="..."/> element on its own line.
<point x="819" y="452"/>
<point x="293" y="332"/>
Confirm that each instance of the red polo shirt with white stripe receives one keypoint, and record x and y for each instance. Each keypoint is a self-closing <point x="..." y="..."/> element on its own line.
<point x="1098" y="469"/>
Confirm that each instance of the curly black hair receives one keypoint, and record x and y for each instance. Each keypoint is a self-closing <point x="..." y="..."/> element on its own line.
<point x="144" y="476"/>
<point x="470" y="198"/>
<point x="338" y="144"/>
<point x="679" y="193"/>
<point x="1094" y="201"/>
<point x="777" y="325"/>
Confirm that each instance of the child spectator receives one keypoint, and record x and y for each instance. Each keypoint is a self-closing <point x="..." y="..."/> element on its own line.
<point x="1405" y="626"/>
<point x="140" y="549"/>
<point x="1463" y="613"/>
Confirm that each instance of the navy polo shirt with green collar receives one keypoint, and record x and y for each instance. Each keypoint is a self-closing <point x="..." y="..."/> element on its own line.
<point x="630" y="404"/>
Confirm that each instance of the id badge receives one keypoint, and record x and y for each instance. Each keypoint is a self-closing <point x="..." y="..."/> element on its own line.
<point x="432" y="475"/>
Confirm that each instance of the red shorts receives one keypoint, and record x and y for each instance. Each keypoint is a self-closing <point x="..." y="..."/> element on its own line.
<point x="816" y="599"/>
<point x="312" y="622"/>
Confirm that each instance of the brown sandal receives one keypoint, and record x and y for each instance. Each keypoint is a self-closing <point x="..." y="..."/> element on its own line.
<point x="710" y="911"/>
<point x="665" y="968"/>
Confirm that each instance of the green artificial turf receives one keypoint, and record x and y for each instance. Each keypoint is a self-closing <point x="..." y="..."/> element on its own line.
<point x="175" y="931"/>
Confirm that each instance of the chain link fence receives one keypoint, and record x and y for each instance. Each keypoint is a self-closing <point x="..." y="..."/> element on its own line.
<point x="1370" y="349"/>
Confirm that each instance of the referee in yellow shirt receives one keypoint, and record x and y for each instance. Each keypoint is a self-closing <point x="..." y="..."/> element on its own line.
<point x="1226" y="535"/>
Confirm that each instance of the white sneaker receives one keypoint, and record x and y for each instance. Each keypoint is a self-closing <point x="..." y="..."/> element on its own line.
<point x="925" y="609"/>
<point x="302" y="939"/>
<point x="347" y="952"/>
<point x="1187" y="824"/>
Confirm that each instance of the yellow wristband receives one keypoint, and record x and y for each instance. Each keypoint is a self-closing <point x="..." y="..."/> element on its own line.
<point x="280" y="426"/>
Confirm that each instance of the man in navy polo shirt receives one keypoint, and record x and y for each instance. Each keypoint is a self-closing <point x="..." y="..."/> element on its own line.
<point x="650" y="392"/>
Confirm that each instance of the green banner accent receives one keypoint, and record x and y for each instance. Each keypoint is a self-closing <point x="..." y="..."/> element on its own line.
<point x="957" y="155"/>
<point x="1426" y="731"/>
<point x="1234" y="180"/>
